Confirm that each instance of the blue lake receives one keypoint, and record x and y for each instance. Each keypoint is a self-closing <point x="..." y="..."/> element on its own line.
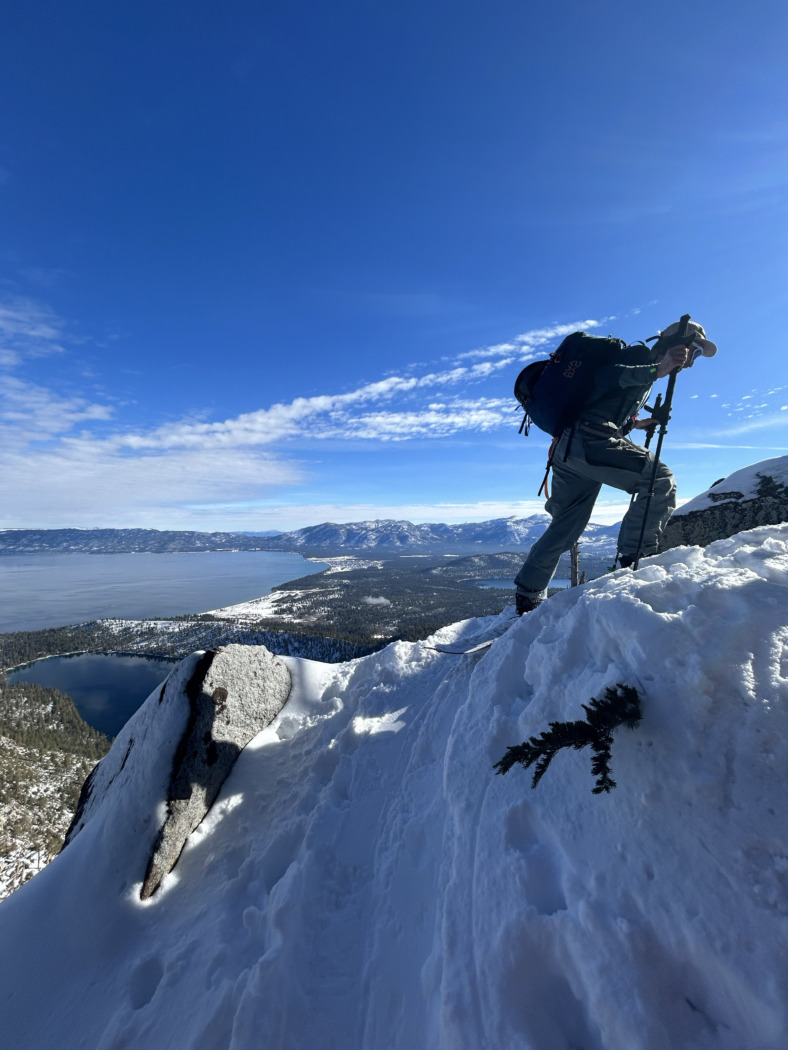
<point x="52" y="590"/>
<point x="106" y="690"/>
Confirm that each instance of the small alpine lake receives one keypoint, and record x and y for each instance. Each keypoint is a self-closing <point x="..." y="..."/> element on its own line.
<point x="106" y="688"/>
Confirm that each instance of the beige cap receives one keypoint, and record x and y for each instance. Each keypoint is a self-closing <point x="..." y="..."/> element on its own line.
<point x="708" y="349"/>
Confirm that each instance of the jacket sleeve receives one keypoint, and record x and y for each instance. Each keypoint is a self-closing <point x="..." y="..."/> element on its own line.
<point x="634" y="367"/>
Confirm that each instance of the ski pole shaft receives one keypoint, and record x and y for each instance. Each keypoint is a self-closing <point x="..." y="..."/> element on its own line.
<point x="649" y="435"/>
<point x="663" y="429"/>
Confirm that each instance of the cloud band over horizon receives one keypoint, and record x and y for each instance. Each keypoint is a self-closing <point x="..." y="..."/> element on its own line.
<point x="80" y="460"/>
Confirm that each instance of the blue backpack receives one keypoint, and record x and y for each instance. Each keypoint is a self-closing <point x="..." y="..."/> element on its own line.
<point x="554" y="392"/>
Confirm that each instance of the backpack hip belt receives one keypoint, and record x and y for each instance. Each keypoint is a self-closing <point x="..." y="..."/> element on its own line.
<point x="603" y="429"/>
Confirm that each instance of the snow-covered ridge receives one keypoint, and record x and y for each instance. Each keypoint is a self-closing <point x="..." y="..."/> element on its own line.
<point x="751" y="497"/>
<point x="744" y="484"/>
<point x="366" y="881"/>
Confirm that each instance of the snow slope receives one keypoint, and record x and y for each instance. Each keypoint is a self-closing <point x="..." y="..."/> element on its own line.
<point x="365" y="882"/>
<point x="742" y="484"/>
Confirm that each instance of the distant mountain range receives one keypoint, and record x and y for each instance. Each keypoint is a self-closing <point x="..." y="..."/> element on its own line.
<point x="370" y="537"/>
<point x="402" y="536"/>
<point x="124" y="541"/>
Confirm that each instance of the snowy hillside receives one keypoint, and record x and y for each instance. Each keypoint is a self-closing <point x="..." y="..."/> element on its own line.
<point x="366" y="882"/>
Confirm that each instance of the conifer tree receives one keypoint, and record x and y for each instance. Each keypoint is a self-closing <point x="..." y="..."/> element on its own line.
<point x="620" y="706"/>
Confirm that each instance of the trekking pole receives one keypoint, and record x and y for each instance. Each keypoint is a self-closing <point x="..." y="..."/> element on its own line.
<point x="649" y="435"/>
<point x="664" y="419"/>
<point x="655" y="413"/>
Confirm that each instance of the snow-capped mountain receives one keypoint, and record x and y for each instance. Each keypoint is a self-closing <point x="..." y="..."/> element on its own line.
<point x="365" y="880"/>
<point x="384" y="537"/>
<point x="395" y="536"/>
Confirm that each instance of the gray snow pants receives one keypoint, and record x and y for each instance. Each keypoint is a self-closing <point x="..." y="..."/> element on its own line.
<point x="586" y="458"/>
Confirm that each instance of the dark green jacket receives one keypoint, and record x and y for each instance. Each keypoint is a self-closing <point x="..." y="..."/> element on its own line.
<point x="620" y="390"/>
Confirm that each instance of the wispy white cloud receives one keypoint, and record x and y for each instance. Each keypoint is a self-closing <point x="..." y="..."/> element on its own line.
<point x="82" y="485"/>
<point x="758" y="409"/>
<point x="35" y="414"/>
<point x="437" y="420"/>
<point x="71" y="460"/>
<point x="32" y="413"/>
<point x="534" y="339"/>
<point x="28" y="328"/>
<point x="74" y="460"/>
<point x="761" y="422"/>
<point x="337" y="415"/>
<point x="770" y="132"/>
<point x="328" y="415"/>
<point x="288" y="515"/>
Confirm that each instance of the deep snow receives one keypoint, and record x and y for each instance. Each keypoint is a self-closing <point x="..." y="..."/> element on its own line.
<point x="366" y="881"/>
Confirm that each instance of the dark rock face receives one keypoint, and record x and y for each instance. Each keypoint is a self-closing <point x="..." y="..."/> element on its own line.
<point x="233" y="694"/>
<point x="731" y="512"/>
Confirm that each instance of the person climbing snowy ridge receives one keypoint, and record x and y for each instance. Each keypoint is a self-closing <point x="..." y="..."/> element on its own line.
<point x="594" y="450"/>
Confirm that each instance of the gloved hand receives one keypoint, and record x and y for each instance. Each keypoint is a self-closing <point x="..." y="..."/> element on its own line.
<point x="675" y="357"/>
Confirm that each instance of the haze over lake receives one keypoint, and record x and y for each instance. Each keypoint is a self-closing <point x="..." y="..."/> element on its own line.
<point x="52" y="590"/>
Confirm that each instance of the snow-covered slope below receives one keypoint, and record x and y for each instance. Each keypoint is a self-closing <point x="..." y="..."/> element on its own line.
<point x="366" y="881"/>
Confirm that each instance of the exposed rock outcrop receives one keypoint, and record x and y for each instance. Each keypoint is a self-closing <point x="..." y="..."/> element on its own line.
<point x="753" y="496"/>
<point x="211" y="706"/>
<point x="233" y="694"/>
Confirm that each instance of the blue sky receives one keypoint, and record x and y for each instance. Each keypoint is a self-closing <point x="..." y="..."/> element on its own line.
<point x="263" y="265"/>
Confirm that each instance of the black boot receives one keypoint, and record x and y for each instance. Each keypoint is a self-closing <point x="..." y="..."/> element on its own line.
<point x="523" y="603"/>
<point x="626" y="561"/>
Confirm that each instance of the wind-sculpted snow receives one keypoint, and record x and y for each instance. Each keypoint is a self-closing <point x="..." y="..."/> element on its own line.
<point x="365" y="881"/>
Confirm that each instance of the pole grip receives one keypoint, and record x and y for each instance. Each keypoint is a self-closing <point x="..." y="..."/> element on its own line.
<point x="651" y="431"/>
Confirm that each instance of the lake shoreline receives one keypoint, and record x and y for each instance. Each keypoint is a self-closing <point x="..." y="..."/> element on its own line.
<point x="87" y="652"/>
<point x="51" y="591"/>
